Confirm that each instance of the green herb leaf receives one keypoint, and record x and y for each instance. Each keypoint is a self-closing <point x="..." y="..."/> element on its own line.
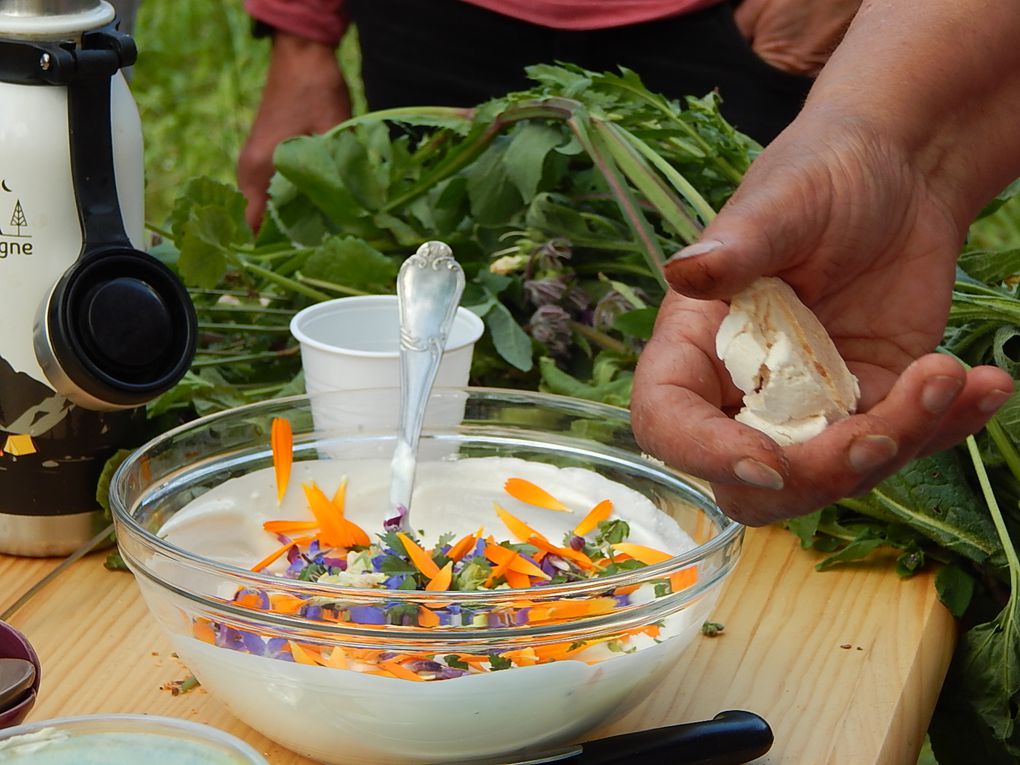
<point x="511" y="342"/>
<point x="353" y="263"/>
<point x="638" y="323"/>
<point x="955" y="588"/>
<point x="525" y="156"/>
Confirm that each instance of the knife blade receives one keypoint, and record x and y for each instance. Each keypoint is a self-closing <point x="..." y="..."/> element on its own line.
<point x="731" y="737"/>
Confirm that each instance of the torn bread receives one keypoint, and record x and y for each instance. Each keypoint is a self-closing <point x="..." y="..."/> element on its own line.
<point x="779" y="354"/>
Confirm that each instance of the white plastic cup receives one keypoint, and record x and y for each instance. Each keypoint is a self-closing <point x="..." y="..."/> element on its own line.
<point x="354" y="343"/>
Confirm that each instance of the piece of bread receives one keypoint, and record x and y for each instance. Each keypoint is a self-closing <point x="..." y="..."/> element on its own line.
<point x="794" y="381"/>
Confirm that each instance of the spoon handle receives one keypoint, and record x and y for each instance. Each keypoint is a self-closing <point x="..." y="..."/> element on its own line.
<point x="429" y="287"/>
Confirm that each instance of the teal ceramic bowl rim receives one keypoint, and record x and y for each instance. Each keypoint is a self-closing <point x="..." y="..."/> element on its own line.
<point x="141" y="724"/>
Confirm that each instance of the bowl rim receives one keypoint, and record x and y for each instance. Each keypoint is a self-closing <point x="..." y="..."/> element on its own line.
<point x="130" y="721"/>
<point x="728" y="528"/>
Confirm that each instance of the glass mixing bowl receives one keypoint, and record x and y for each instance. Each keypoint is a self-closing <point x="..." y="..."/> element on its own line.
<point x="538" y="666"/>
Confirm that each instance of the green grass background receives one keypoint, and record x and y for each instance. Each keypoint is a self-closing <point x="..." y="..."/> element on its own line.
<point x="197" y="84"/>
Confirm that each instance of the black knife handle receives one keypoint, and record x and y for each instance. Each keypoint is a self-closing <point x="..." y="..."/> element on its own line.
<point x="729" y="738"/>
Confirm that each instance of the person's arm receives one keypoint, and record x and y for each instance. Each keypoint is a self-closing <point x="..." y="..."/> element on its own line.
<point x="305" y="91"/>
<point x="861" y="205"/>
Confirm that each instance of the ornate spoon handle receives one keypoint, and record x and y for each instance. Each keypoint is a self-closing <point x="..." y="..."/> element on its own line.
<point x="429" y="287"/>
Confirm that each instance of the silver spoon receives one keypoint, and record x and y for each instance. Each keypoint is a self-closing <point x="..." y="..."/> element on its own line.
<point x="429" y="287"/>
<point x="16" y="677"/>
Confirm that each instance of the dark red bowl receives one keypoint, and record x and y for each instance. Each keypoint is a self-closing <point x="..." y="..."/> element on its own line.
<point x="14" y="645"/>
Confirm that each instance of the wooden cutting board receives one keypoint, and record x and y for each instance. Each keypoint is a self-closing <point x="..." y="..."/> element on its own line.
<point x="845" y="665"/>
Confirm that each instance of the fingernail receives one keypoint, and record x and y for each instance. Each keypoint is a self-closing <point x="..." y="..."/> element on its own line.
<point x="693" y="250"/>
<point x="757" y="474"/>
<point x="991" y="402"/>
<point x="870" y="452"/>
<point x="940" y="392"/>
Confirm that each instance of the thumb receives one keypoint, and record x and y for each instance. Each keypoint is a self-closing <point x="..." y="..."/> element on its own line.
<point x="772" y="223"/>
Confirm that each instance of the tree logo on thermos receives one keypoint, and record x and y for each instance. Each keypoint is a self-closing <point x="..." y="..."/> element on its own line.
<point x="18" y="219"/>
<point x="14" y="230"/>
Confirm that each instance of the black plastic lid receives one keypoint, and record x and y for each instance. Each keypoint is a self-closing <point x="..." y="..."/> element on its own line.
<point x="121" y="326"/>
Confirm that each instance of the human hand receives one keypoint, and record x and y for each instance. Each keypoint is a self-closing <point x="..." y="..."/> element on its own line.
<point x="795" y="35"/>
<point x="305" y="93"/>
<point x="835" y="209"/>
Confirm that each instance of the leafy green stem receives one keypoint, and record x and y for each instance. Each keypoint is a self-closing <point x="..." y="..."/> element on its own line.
<point x="284" y="281"/>
<point x="591" y="143"/>
<point x="600" y="338"/>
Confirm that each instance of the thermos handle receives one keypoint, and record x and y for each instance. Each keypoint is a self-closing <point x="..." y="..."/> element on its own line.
<point x="119" y="328"/>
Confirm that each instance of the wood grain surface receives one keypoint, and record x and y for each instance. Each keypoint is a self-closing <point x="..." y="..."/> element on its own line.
<point x="845" y="665"/>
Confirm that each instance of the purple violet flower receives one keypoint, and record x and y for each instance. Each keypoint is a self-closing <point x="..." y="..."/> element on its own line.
<point x="576" y="542"/>
<point x="367" y="615"/>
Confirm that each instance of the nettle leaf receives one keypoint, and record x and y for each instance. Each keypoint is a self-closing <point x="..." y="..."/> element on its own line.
<point x="353" y="263"/>
<point x="493" y="196"/>
<point x="638" y="323"/>
<point x="525" y="157"/>
<point x="955" y="588"/>
<point x="509" y="339"/>
<point x="933" y="496"/>
<point x="990" y="266"/>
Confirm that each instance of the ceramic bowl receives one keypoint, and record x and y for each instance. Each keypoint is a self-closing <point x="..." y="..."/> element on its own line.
<point x="14" y="645"/>
<point x="123" y="740"/>
<point x="279" y="672"/>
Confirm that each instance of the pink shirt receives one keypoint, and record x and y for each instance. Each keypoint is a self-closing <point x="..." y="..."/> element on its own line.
<point x="324" y="20"/>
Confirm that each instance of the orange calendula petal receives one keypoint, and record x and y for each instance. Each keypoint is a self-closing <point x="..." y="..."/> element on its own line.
<point x="464" y="545"/>
<point x="203" y="630"/>
<point x="288" y="527"/>
<point x="647" y="555"/>
<point x="516" y="579"/>
<point x="442" y="580"/>
<point x="334" y="533"/>
<point x="282" y="603"/>
<point x="282" y="442"/>
<point x="427" y="617"/>
<point x="681" y="580"/>
<point x="280" y="552"/>
<point x="577" y="556"/>
<point x="517" y="527"/>
<point x="599" y="513"/>
<point x="421" y="559"/>
<point x="301" y="655"/>
<point x="530" y="494"/>
<point x="397" y="669"/>
<point x="337" y="659"/>
<point x="570" y="609"/>
<point x="522" y="565"/>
